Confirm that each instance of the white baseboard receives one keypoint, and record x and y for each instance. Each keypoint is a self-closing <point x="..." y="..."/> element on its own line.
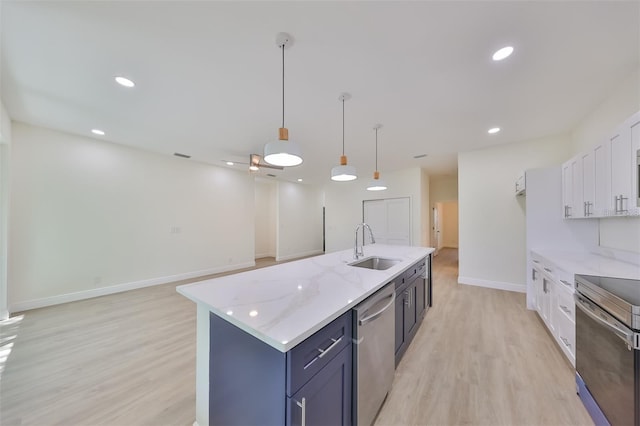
<point x="261" y="255"/>
<point x="297" y="255"/>
<point x="499" y="285"/>
<point x="118" y="288"/>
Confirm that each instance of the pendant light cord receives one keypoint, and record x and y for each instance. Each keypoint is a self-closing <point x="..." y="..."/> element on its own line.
<point x="376" y="149"/>
<point x="283" y="85"/>
<point x="343" y="126"/>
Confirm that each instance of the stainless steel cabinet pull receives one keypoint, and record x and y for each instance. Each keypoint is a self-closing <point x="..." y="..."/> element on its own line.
<point x="623" y="199"/>
<point x="533" y="274"/>
<point x="326" y="351"/>
<point x="544" y="285"/>
<point x="584" y="209"/>
<point x="536" y="261"/>
<point x="303" y="405"/>
<point x="548" y="270"/>
<point x="565" y="341"/>
<point x="568" y="284"/>
<point x="564" y="308"/>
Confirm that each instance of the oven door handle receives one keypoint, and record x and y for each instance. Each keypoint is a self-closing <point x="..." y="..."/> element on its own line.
<point x="605" y="319"/>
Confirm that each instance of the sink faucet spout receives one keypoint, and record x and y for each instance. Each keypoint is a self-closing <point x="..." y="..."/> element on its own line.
<point x="359" y="252"/>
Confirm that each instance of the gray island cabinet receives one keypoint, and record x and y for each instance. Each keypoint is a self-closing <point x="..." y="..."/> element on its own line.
<point x="275" y="345"/>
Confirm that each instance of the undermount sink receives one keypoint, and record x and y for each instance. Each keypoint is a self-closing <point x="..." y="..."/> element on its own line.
<point x="377" y="263"/>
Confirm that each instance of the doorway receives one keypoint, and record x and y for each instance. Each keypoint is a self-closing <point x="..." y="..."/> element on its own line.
<point x="445" y="225"/>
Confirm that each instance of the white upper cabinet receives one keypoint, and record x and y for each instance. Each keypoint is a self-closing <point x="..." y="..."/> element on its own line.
<point x="634" y="130"/>
<point x="623" y="167"/>
<point x="567" y="190"/>
<point x="604" y="181"/>
<point x="588" y="183"/>
<point x="601" y="179"/>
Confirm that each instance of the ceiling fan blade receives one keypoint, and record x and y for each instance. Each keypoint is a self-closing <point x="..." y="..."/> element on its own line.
<point x="269" y="166"/>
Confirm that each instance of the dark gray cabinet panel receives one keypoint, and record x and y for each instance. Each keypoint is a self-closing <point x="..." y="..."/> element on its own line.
<point x="326" y="398"/>
<point x="252" y="383"/>
<point x="413" y="297"/>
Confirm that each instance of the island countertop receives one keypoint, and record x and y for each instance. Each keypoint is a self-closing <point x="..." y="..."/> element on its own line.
<point x="282" y="305"/>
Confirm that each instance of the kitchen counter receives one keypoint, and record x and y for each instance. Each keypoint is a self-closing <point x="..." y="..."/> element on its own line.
<point x="282" y="305"/>
<point x="590" y="264"/>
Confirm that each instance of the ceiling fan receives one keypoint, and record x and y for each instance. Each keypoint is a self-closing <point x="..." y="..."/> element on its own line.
<point x="255" y="163"/>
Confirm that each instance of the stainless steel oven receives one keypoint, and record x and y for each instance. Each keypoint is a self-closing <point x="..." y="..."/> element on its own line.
<point x="607" y="348"/>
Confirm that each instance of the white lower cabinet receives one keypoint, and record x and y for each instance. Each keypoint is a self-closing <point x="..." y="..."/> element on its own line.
<point x="554" y="288"/>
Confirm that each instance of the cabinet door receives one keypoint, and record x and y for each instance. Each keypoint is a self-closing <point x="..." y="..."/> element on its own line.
<point x="602" y="203"/>
<point x="410" y="319"/>
<point x="567" y="190"/>
<point x="634" y="130"/>
<point x="588" y="183"/>
<point x="326" y="398"/>
<point x="621" y="170"/>
<point x="577" y="198"/>
<point x="536" y="277"/>
<point x="421" y="300"/>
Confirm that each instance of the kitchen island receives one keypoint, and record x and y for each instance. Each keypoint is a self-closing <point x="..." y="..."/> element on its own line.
<point x="281" y="307"/>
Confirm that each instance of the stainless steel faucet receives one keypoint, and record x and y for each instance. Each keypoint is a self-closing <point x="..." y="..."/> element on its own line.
<point x="358" y="253"/>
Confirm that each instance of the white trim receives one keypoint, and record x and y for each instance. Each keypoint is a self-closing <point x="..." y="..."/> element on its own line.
<point x="297" y="255"/>
<point x="267" y="254"/>
<point x="118" y="288"/>
<point x="519" y="288"/>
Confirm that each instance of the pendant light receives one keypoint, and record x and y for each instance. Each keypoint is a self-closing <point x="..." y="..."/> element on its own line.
<point x="283" y="152"/>
<point x="343" y="172"/>
<point x="376" y="183"/>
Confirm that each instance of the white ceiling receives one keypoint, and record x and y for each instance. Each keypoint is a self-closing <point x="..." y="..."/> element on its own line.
<point x="208" y="74"/>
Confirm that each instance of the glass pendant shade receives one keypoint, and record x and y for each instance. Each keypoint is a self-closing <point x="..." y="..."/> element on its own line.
<point x="343" y="172"/>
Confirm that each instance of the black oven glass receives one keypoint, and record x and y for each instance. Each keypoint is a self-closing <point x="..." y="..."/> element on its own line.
<point x="607" y="366"/>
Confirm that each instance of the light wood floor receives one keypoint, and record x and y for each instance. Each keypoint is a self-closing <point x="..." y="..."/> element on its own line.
<point x="480" y="358"/>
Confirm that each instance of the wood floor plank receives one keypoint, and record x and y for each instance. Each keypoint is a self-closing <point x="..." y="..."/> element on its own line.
<point x="480" y="358"/>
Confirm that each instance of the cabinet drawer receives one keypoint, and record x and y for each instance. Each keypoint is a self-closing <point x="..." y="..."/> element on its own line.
<point x="565" y="304"/>
<point x="414" y="271"/>
<point x="310" y="356"/>
<point x="566" y="336"/>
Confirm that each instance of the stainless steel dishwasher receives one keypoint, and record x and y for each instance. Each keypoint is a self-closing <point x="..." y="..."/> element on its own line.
<point x="374" y="353"/>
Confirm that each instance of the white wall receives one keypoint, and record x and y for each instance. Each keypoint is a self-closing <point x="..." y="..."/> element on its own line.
<point x="90" y="217"/>
<point x="343" y="202"/>
<point x="615" y="233"/>
<point x="5" y="162"/>
<point x="265" y="218"/>
<point x="299" y="218"/>
<point x="492" y="250"/>
<point x="425" y="216"/>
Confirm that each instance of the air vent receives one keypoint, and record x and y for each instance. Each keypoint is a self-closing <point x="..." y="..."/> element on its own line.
<point x="270" y="175"/>
<point x="177" y="154"/>
<point x="419" y="156"/>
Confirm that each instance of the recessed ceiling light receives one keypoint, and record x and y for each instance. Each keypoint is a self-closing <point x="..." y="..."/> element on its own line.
<point x="254" y="168"/>
<point x="123" y="81"/>
<point x="494" y="130"/>
<point x="299" y="179"/>
<point x="253" y="313"/>
<point x="229" y="163"/>
<point x="502" y="53"/>
<point x="97" y="132"/>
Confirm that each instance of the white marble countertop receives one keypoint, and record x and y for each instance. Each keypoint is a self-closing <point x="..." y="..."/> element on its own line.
<point x="282" y="305"/>
<point x="591" y="264"/>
